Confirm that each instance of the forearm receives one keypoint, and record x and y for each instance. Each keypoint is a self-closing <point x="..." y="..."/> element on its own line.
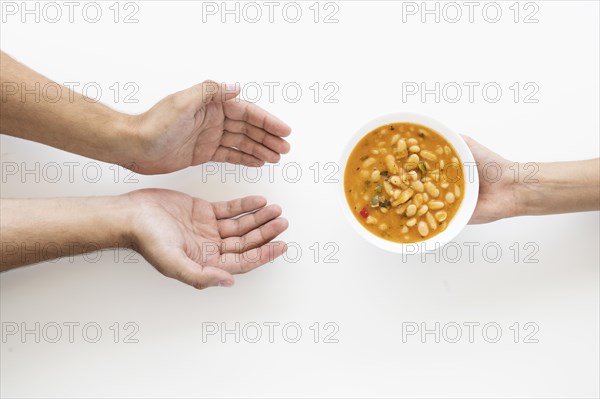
<point x="35" y="108"/>
<point x="560" y="187"/>
<point x="35" y="230"/>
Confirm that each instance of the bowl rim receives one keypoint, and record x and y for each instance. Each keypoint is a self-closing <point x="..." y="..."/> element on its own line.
<point x="470" y="194"/>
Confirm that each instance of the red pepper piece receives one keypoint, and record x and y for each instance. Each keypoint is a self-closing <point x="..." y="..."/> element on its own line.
<point x="364" y="213"/>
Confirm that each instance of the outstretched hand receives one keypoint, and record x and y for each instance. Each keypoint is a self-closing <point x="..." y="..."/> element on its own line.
<point x="201" y="243"/>
<point x="204" y="123"/>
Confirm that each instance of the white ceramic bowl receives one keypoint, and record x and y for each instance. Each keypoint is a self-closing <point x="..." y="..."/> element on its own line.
<point x="467" y="206"/>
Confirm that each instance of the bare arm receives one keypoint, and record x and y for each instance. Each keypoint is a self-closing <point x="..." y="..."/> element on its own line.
<point x="35" y="230"/>
<point x="533" y="189"/>
<point x="71" y="122"/>
<point x="561" y="187"/>
<point x="200" y="243"/>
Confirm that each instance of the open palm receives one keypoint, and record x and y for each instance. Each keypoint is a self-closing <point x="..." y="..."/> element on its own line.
<point x="201" y="243"/>
<point x="207" y="123"/>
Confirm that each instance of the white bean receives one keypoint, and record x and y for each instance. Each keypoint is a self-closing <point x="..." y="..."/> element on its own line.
<point x="412" y="162"/>
<point x="440" y="216"/>
<point x="395" y="180"/>
<point x="423" y="229"/>
<point x="411" y="222"/>
<point x="418" y="200"/>
<point x="422" y="210"/>
<point x="375" y="176"/>
<point x="457" y="191"/>
<point x="431" y="221"/>
<point x="389" y="190"/>
<point x="405" y="196"/>
<point x="450" y="198"/>
<point x="435" y="205"/>
<point x="411" y="210"/>
<point x="418" y="186"/>
<point x="414" y="149"/>
<point x="401" y="149"/>
<point x="432" y="189"/>
<point x="428" y="155"/>
<point x="390" y="162"/>
<point x="368" y="162"/>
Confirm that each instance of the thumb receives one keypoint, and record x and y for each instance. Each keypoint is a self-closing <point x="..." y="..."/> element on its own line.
<point x="469" y="140"/>
<point x="207" y="91"/>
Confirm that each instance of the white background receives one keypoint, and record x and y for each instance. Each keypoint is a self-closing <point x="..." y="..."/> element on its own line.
<point x="369" y="294"/>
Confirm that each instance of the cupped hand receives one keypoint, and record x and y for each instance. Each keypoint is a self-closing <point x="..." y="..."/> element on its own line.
<point x="204" y="123"/>
<point x="201" y="243"/>
<point x="497" y="186"/>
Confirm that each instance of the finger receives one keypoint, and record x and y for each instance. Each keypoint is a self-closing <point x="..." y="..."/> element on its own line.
<point x="249" y="146"/>
<point x="471" y="142"/>
<point x="182" y="268"/>
<point x="244" y="224"/>
<point x="231" y="155"/>
<point x="208" y="91"/>
<point x="256" y="237"/>
<point x="253" y="114"/>
<point x="477" y="149"/>
<point x="250" y="260"/>
<point x="259" y="135"/>
<point x="236" y="207"/>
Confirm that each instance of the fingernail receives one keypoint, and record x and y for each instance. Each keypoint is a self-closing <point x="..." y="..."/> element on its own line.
<point x="231" y="86"/>
<point x="225" y="283"/>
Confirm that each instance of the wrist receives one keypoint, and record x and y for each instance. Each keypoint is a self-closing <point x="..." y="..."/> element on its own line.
<point x="123" y="140"/>
<point x="521" y="199"/>
<point x="514" y="188"/>
<point x="527" y="189"/>
<point x="121" y="211"/>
